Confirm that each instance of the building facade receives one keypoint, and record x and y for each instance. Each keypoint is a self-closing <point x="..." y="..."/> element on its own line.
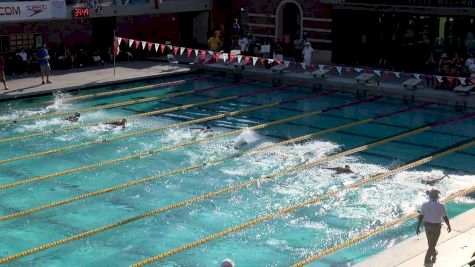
<point x="405" y="35"/>
<point x="284" y="20"/>
<point x="28" y="24"/>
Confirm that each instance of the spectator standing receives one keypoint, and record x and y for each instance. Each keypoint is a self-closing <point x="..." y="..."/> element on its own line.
<point x="307" y="54"/>
<point x="43" y="60"/>
<point x="214" y="42"/>
<point x="243" y="44"/>
<point x="23" y="56"/>
<point x="236" y="32"/>
<point x="432" y="213"/>
<point x="298" y="46"/>
<point x="2" y="72"/>
<point x="470" y="63"/>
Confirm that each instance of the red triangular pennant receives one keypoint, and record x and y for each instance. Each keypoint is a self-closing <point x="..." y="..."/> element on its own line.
<point x="137" y="43"/>
<point x="149" y="46"/>
<point x="246" y="60"/>
<point x="262" y="60"/>
<point x="203" y="54"/>
<point x="175" y="50"/>
<point x="189" y="51"/>
<point x="217" y="56"/>
<point x="162" y="48"/>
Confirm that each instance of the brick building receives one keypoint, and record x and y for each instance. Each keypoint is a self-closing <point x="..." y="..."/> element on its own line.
<point x="27" y="24"/>
<point x="273" y="19"/>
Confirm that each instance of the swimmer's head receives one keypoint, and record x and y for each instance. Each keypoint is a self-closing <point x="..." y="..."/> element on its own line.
<point x="77" y="114"/>
<point x="347" y="167"/>
<point x="227" y="263"/>
<point x="208" y="127"/>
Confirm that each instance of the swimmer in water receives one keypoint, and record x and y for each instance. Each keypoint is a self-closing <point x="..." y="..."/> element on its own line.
<point x="431" y="180"/>
<point x="239" y="144"/>
<point x="122" y="123"/>
<point x="74" y="118"/>
<point x="340" y="170"/>
<point x="206" y="129"/>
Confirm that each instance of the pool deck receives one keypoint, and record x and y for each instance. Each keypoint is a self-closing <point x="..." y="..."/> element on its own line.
<point x="455" y="248"/>
<point x="390" y="87"/>
<point x="87" y="77"/>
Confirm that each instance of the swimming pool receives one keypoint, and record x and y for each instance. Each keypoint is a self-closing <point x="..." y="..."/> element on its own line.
<point x="60" y="180"/>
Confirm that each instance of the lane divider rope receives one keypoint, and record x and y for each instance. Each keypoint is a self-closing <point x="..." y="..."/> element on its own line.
<point x="188" y="143"/>
<point x="160" y="111"/>
<point x="113" y="105"/>
<point x="303" y="204"/>
<point x="377" y="230"/>
<point x="114" y="92"/>
<point x="242" y="186"/>
<point x="125" y="136"/>
<point x="213" y="162"/>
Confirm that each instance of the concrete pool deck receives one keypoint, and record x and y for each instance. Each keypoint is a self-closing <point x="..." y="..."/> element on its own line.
<point x="455" y="249"/>
<point x="82" y="78"/>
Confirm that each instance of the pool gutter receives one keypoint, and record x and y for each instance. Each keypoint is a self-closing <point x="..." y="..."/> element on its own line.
<point x="388" y="87"/>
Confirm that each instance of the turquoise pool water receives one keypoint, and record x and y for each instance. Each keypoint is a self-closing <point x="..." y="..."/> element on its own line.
<point x="278" y="242"/>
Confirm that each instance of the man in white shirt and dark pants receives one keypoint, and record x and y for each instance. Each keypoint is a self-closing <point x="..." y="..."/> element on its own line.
<point x="432" y="212"/>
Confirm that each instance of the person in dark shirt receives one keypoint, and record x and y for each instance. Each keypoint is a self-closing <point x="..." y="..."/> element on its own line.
<point x="2" y="72"/>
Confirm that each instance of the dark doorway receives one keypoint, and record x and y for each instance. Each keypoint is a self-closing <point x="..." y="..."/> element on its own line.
<point x="291" y="15"/>
<point x="103" y="32"/>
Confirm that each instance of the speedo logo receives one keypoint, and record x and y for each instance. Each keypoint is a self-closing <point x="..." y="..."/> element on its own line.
<point x="36" y="9"/>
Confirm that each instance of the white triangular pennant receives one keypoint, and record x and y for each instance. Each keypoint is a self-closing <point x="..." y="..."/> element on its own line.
<point x="182" y="49"/>
<point x="196" y="52"/>
<point x="156" y="46"/>
<point x="304" y="65"/>
<point x="254" y="60"/>
<point x="377" y="72"/>
<point x="144" y="44"/>
<point x="270" y="61"/>
<point x="211" y="52"/>
<point x="225" y="57"/>
<point x="417" y="76"/>
<point x="439" y="78"/>
<point x="321" y="67"/>
<point x="397" y="74"/>
<point x="287" y="63"/>
<point x="462" y="80"/>
<point x="358" y="70"/>
<point x="170" y="47"/>
<point x="131" y="42"/>
<point x="119" y="40"/>
<point x="239" y="57"/>
<point x="338" y="68"/>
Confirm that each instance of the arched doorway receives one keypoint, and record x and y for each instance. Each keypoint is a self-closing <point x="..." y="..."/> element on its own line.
<point x="293" y="14"/>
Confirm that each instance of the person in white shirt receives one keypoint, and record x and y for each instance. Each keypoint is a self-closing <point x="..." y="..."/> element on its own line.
<point x="243" y="44"/>
<point x="23" y="55"/>
<point x="432" y="213"/>
<point x="307" y="54"/>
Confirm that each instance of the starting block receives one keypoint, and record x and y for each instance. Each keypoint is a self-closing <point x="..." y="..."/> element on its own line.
<point x="320" y="73"/>
<point x="465" y="89"/>
<point x="279" y="68"/>
<point x="238" y="65"/>
<point x="412" y="84"/>
<point x="366" y="78"/>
